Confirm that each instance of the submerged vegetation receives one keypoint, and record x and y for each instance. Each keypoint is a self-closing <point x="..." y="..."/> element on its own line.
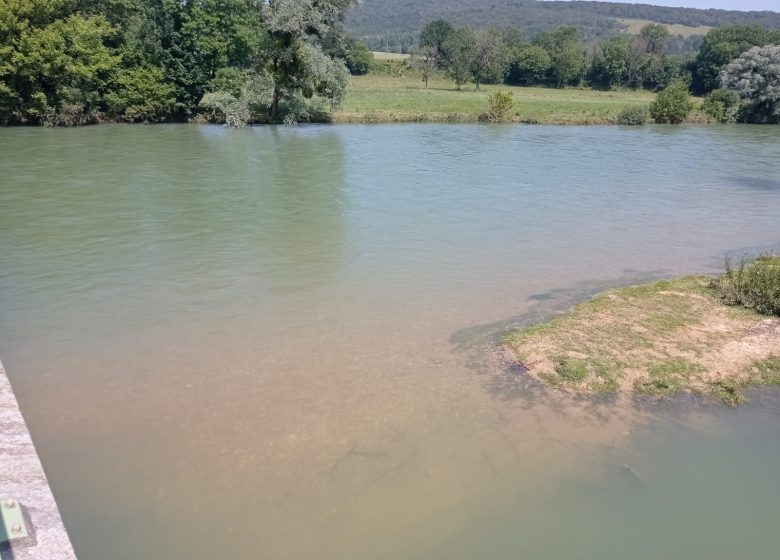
<point x="709" y="336"/>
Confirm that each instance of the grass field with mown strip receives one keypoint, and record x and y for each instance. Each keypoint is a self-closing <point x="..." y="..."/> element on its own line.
<point x="403" y="97"/>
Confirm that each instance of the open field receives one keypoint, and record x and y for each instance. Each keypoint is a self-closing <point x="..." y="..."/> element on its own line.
<point x="401" y="96"/>
<point x="382" y="56"/>
<point x="657" y="338"/>
<point x="634" y="25"/>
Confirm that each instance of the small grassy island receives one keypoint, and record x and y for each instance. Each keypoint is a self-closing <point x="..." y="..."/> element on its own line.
<point x="700" y="334"/>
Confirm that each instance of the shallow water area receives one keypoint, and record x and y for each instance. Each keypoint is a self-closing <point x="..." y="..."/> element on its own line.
<point x="284" y="342"/>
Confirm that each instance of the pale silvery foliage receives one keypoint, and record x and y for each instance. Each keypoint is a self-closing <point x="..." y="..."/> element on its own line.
<point x="755" y="76"/>
<point x="236" y="112"/>
<point x="326" y="76"/>
<point x="224" y="105"/>
<point x="305" y="16"/>
<point x="258" y="91"/>
<point x="296" y="62"/>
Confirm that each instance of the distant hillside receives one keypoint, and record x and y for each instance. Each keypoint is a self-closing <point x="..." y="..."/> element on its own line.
<point x="394" y="24"/>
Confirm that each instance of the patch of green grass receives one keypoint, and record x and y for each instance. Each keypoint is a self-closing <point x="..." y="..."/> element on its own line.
<point x="676" y="367"/>
<point x="572" y="370"/>
<point x="668" y="376"/>
<point x="766" y="371"/>
<point x="667" y="321"/>
<point x="729" y="392"/>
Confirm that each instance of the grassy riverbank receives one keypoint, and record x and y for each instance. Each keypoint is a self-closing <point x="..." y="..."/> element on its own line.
<point x="657" y="338"/>
<point x="399" y="95"/>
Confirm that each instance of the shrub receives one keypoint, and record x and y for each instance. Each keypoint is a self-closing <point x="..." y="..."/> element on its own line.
<point x="500" y="106"/>
<point x="224" y="107"/>
<point x="755" y="75"/>
<point x="633" y="116"/>
<point x="753" y="284"/>
<point x="721" y="104"/>
<point x="672" y="104"/>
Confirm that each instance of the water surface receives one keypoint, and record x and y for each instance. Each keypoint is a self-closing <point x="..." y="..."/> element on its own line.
<point x="282" y="342"/>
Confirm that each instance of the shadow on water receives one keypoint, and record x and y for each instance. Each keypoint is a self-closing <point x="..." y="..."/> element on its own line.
<point x="757" y="183"/>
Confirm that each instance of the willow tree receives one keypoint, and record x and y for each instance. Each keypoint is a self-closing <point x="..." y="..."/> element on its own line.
<point x="297" y="65"/>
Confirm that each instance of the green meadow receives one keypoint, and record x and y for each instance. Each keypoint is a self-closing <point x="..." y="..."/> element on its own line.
<point x="399" y="95"/>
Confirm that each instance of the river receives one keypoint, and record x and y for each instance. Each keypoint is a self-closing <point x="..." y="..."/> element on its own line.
<point x="284" y="343"/>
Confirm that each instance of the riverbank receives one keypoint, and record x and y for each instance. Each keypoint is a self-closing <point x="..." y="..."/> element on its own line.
<point x="658" y="338"/>
<point x="399" y="95"/>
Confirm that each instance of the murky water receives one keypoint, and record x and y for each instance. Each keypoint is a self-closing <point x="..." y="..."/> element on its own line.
<point x="282" y="343"/>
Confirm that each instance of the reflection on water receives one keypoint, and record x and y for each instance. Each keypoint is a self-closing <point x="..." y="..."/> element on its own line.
<point x="284" y="342"/>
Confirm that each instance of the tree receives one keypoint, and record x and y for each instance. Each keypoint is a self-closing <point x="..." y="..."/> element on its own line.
<point x="653" y="38"/>
<point x="357" y="57"/>
<point x="433" y="36"/>
<point x="424" y="63"/>
<point x="721" y="46"/>
<point x="672" y="105"/>
<point x="353" y="52"/>
<point x="528" y="65"/>
<point x="567" y="56"/>
<point x="54" y="68"/>
<point x="459" y="52"/>
<point x="490" y="58"/>
<point x="141" y="94"/>
<point x="755" y="76"/>
<point x="297" y="66"/>
<point x="610" y="65"/>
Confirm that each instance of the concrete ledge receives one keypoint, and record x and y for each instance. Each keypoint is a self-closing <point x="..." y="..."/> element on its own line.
<point x="22" y="478"/>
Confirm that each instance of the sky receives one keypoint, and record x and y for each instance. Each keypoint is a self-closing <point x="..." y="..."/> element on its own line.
<point x="745" y="5"/>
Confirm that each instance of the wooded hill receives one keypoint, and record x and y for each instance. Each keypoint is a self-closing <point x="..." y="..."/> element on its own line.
<point x="393" y="25"/>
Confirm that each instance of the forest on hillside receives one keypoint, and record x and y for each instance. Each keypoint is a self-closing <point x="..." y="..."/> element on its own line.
<point x="393" y="25"/>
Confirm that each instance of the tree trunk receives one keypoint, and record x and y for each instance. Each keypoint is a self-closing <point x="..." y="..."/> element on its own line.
<point x="273" y="110"/>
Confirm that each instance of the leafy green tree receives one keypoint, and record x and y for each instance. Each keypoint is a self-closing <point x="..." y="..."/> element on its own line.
<point x="755" y="76"/>
<point x="653" y="37"/>
<point x="298" y="67"/>
<point x="141" y="94"/>
<point x="567" y="56"/>
<point x="489" y="64"/>
<point x="54" y="67"/>
<point x="672" y="105"/>
<point x="528" y="65"/>
<point x="229" y="80"/>
<point x="433" y="36"/>
<point x="721" y="46"/>
<point x="610" y="65"/>
<point x="357" y="57"/>
<point x="459" y="52"/>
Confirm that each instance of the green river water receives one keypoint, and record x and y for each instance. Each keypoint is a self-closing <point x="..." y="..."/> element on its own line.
<point x="282" y="343"/>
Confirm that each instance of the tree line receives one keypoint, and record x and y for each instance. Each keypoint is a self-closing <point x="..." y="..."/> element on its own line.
<point x="65" y="62"/>
<point x="560" y="58"/>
